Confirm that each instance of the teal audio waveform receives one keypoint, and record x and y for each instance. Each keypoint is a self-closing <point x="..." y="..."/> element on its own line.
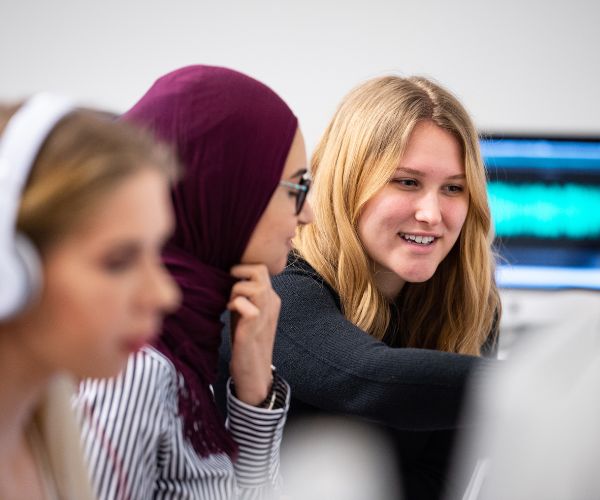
<point x="545" y="210"/>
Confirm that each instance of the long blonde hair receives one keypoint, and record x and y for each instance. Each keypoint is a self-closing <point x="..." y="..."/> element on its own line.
<point x="453" y="311"/>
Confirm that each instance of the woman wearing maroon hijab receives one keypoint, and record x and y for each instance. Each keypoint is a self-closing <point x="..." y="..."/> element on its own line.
<point x="155" y="432"/>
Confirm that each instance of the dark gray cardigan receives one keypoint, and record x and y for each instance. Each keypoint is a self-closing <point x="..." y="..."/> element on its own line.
<point x="333" y="366"/>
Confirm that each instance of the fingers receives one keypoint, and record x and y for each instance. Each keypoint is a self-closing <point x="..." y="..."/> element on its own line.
<point x="243" y="307"/>
<point x="248" y="288"/>
<point x="255" y="285"/>
<point x="257" y="305"/>
<point x="263" y="298"/>
<point x="253" y="272"/>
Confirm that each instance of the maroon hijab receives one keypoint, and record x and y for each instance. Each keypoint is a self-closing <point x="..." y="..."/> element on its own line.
<point x="232" y="135"/>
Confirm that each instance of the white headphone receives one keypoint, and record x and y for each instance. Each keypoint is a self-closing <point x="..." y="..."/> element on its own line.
<point x="20" y="143"/>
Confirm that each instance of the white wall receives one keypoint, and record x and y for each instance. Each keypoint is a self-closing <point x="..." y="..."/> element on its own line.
<point x="519" y="65"/>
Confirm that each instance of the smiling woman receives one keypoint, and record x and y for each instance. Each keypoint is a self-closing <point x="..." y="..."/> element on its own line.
<point x="411" y="224"/>
<point x="390" y="300"/>
<point x="85" y="211"/>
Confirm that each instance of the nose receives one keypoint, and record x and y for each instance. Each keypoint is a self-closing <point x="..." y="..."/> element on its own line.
<point x="306" y="215"/>
<point x="160" y="290"/>
<point x="428" y="209"/>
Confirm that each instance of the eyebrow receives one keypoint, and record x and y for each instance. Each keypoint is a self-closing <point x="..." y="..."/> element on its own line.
<point x="418" y="173"/>
<point x="123" y="248"/>
<point x="299" y="173"/>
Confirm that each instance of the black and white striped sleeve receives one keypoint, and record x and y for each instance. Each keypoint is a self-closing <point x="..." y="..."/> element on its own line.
<point x="122" y="420"/>
<point x="135" y="446"/>
<point x="258" y="433"/>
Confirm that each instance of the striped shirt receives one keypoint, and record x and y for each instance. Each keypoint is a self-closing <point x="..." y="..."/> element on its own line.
<point x="134" y="441"/>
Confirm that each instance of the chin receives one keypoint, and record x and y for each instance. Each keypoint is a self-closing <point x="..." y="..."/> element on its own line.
<point x="278" y="266"/>
<point x="418" y="280"/>
<point x="416" y="277"/>
<point x="275" y="270"/>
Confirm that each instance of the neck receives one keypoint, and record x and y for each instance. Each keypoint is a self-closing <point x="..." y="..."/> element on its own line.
<point x="23" y="383"/>
<point x="388" y="283"/>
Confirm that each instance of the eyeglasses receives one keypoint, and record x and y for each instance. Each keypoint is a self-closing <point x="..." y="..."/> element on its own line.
<point x="301" y="190"/>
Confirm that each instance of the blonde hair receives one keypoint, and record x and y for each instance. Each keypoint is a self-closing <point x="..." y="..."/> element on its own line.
<point x="83" y="158"/>
<point x="56" y="429"/>
<point x="453" y="311"/>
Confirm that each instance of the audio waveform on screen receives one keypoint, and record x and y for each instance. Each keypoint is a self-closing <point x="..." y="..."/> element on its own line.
<point x="540" y="210"/>
<point x="542" y="154"/>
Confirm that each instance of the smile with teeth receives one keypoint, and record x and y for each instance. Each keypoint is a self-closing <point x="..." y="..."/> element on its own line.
<point x="420" y="240"/>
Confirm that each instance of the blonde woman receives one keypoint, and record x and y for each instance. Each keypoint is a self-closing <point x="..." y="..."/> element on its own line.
<point x="389" y="300"/>
<point x="84" y="210"/>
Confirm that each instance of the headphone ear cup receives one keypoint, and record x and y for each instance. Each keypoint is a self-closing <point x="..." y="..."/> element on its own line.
<point x="20" y="143"/>
<point x="32" y="266"/>
<point x="22" y="278"/>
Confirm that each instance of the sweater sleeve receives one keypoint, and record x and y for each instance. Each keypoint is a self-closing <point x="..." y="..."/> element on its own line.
<point x="258" y="433"/>
<point x="333" y="365"/>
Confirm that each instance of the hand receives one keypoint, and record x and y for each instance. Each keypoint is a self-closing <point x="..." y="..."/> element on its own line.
<point x="257" y="306"/>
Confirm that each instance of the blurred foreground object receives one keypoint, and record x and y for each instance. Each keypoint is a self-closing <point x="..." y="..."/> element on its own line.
<point x="327" y="458"/>
<point x="542" y="433"/>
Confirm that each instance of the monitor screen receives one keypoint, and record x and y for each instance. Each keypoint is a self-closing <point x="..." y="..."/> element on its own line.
<point x="545" y="201"/>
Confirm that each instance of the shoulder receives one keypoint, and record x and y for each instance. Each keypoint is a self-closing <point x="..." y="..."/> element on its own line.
<point x="311" y="312"/>
<point x="300" y="281"/>
<point x="148" y="375"/>
<point x="149" y="366"/>
<point x="297" y="266"/>
<point x="151" y="361"/>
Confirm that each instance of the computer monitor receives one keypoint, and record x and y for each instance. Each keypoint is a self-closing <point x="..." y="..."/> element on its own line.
<point x="545" y="200"/>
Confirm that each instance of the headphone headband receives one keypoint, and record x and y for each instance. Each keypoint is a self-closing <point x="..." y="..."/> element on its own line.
<point x="24" y="135"/>
<point x="20" y="144"/>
